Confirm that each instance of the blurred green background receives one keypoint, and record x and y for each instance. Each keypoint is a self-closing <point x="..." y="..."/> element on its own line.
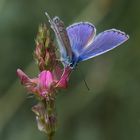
<point x="110" y="110"/>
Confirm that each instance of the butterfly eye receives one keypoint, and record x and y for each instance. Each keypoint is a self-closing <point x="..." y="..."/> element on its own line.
<point x="71" y="65"/>
<point x="56" y="20"/>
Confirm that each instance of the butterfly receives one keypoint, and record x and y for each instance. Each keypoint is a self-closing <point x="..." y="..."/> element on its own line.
<point x="78" y="42"/>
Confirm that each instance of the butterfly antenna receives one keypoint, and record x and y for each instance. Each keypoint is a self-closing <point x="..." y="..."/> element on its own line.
<point x="51" y="23"/>
<point x="86" y="84"/>
<point x="85" y="81"/>
<point x="48" y="17"/>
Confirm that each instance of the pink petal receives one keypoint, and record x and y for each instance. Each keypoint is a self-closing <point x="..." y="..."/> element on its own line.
<point x="49" y="78"/>
<point x="63" y="82"/>
<point x="23" y="77"/>
<point x="45" y="79"/>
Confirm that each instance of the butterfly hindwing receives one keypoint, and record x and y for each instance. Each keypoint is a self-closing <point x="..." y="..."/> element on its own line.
<point x="104" y="42"/>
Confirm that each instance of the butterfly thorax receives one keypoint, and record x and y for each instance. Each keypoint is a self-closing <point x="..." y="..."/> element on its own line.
<point x="70" y="62"/>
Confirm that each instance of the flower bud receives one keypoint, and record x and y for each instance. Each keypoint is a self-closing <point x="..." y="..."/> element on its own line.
<point x="44" y="53"/>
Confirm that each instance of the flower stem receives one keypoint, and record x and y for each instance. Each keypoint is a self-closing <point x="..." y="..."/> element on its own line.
<point x="50" y="116"/>
<point x="50" y="137"/>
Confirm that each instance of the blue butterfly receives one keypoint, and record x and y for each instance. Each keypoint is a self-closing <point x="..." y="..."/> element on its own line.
<point x="79" y="42"/>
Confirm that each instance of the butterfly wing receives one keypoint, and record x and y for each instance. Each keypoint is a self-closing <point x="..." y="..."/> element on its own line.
<point x="80" y="35"/>
<point x="103" y="43"/>
<point x="62" y="38"/>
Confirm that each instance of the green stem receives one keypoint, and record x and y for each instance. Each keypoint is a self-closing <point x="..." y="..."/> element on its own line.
<point x="51" y="116"/>
<point x="50" y="137"/>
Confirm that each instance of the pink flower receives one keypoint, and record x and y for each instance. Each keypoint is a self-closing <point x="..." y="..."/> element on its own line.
<point x="46" y="83"/>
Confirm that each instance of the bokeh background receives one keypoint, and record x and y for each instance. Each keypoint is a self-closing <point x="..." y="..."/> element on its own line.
<point x="110" y="110"/>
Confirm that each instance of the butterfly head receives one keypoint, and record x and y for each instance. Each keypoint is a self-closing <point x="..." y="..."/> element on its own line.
<point x="72" y="65"/>
<point x="67" y="62"/>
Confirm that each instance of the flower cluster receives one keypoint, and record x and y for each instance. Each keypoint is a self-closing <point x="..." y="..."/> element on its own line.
<point x="46" y="83"/>
<point x="51" y="78"/>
